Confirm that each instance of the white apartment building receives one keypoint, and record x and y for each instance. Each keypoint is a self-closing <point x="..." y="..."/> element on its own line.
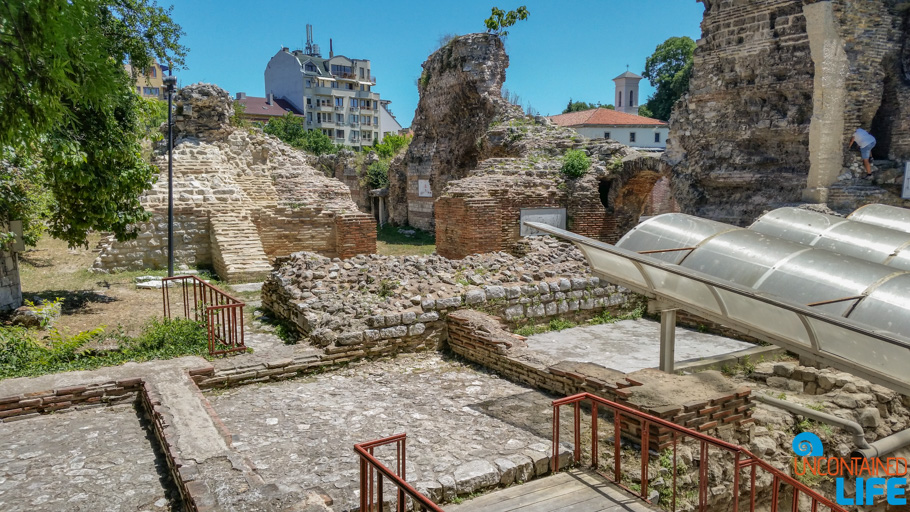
<point x="334" y="94"/>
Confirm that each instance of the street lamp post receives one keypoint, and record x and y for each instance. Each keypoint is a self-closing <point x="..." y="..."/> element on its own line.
<point x="170" y="81"/>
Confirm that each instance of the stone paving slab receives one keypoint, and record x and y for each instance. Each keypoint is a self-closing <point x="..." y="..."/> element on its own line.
<point x="466" y="429"/>
<point x="86" y="460"/>
<point x="628" y="345"/>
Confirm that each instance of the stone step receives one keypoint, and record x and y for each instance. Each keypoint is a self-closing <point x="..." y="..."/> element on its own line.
<point x="237" y="250"/>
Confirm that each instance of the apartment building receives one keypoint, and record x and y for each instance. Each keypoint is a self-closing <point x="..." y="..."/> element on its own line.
<point x="149" y="80"/>
<point x="335" y="94"/>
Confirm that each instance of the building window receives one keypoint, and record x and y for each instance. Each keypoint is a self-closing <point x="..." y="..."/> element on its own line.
<point x="355" y="118"/>
<point x="150" y="91"/>
<point x="138" y="90"/>
<point x="339" y="102"/>
<point x="339" y="134"/>
<point x="361" y="72"/>
<point x="361" y="87"/>
<point x="375" y="121"/>
<point x="353" y="102"/>
<point x="154" y="72"/>
<point x="656" y="136"/>
<point x="618" y="99"/>
<point x="632" y="137"/>
<point x="309" y="117"/>
<point x="342" y="70"/>
<point x="309" y="83"/>
<point x="334" y="85"/>
<point x="631" y="98"/>
<point x="606" y="135"/>
<point x="310" y="67"/>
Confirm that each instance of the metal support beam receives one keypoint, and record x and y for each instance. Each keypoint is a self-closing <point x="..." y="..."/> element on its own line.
<point x="667" y="339"/>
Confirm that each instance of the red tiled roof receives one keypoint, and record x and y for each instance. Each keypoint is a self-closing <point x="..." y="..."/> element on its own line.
<point x="260" y="107"/>
<point x="603" y="117"/>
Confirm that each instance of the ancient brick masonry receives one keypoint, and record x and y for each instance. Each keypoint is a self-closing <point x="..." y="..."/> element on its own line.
<point x="482" y="212"/>
<point x="778" y="88"/>
<point x="241" y="199"/>
<point x="482" y="339"/>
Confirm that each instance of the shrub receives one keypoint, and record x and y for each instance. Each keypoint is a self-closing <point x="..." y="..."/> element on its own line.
<point x="377" y="175"/>
<point x="575" y="163"/>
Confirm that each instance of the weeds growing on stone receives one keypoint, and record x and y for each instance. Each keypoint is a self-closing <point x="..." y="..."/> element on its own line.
<point x="23" y="355"/>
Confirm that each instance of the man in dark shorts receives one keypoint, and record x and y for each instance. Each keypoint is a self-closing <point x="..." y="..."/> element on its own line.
<point x="865" y="142"/>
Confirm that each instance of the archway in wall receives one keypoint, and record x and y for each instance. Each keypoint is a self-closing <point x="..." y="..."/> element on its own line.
<point x="643" y="188"/>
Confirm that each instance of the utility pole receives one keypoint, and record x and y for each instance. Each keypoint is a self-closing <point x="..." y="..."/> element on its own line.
<point x="170" y="81"/>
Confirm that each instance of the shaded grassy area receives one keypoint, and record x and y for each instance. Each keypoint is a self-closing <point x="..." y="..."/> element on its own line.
<point x="26" y="353"/>
<point x="397" y="241"/>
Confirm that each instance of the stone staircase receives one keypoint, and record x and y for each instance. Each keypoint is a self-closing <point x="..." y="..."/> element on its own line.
<point x="237" y="252"/>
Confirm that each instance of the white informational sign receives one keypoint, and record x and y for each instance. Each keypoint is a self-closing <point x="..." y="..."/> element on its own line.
<point x="423" y="188"/>
<point x="906" y="191"/>
<point x="555" y="217"/>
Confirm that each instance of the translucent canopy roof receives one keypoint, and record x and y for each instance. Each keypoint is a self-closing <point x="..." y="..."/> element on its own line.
<point x="868" y="242"/>
<point x="883" y="215"/>
<point x="850" y="313"/>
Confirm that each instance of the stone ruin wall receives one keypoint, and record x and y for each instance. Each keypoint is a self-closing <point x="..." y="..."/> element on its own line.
<point x="777" y="90"/>
<point x="460" y="94"/>
<point x="241" y="199"/>
<point x="10" y="287"/>
<point x="369" y="306"/>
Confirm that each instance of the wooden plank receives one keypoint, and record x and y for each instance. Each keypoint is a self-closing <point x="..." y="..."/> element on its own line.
<point x="574" y="490"/>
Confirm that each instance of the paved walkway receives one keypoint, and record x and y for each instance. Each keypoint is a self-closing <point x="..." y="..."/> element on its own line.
<point x="466" y="429"/>
<point x="629" y="345"/>
<point x="88" y="460"/>
<point x="571" y="491"/>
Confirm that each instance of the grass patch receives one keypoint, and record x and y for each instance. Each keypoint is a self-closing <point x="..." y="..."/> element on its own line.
<point x="559" y="324"/>
<point x="22" y="354"/>
<point x="396" y="241"/>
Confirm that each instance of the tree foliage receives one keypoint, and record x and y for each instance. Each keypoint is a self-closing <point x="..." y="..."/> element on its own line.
<point x="500" y="20"/>
<point x="669" y="69"/>
<point x="377" y="175"/>
<point x="68" y="105"/>
<point x="291" y="130"/>
<point x="644" y="111"/>
<point x="578" y="106"/>
<point x="391" y="144"/>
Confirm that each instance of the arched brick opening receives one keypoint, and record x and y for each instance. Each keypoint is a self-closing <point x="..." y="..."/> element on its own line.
<point x="642" y="188"/>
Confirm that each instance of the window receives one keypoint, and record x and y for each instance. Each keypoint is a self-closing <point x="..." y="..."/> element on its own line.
<point x="618" y="99"/>
<point x="334" y="85"/>
<point x="355" y="135"/>
<point x="353" y="102"/>
<point x="339" y="102"/>
<point x="339" y="118"/>
<point x="376" y="121"/>
<point x="656" y="136"/>
<point x="606" y="135"/>
<point x="309" y="117"/>
<point x="150" y="91"/>
<point x="361" y="87"/>
<point x="361" y="73"/>
<point x="339" y="134"/>
<point x="138" y="90"/>
<point x="310" y="67"/>
<point x="342" y="70"/>
<point x="632" y="137"/>
<point x="309" y="83"/>
<point x="349" y="87"/>
<point x="309" y="102"/>
<point x="355" y="118"/>
<point x="631" y="98"/>
<point x="154" y="72"/>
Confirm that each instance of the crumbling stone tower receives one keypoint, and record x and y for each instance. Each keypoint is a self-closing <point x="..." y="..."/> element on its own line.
<point x="777" y="90"/>
<point x="241" y="199"/>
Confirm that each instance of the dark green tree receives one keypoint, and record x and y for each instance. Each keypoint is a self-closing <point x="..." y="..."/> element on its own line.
<point x="578" y="106"/>
<point x="500" y="20"/>
<point x="67" y="104"/>
<point x="669" y="69"/>
<point x="291" y="130"/>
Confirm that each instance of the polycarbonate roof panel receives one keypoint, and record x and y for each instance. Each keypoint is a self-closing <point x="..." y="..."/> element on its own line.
<point x="851" y="238"/>
<point x="860" y="344"/>
<point x="892" y="217"/>
<point x="672" y="231"/>
<point x="739" y="256"/>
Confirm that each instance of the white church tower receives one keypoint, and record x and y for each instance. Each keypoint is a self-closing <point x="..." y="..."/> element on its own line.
<point x="626" y="99"/>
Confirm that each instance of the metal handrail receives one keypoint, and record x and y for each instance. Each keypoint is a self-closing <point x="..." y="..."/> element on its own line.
<point x="742" y="457"/>
<point x="368" y="463"/>
<point x="222" y="313"/>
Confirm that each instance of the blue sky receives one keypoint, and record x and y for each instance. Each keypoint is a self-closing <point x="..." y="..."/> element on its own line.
<point x="566" y="48"/>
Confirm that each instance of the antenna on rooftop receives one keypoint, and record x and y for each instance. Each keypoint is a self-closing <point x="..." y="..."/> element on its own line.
<point x="311" y="49"/>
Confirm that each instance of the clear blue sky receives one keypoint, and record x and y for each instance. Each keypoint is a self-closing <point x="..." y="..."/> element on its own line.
<point x="566" y="48"/>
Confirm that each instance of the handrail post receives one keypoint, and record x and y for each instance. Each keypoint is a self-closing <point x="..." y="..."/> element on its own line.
<point x="554" y="462"/>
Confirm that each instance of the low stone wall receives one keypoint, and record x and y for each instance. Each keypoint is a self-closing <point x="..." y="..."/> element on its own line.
<point x="376" y="305"/>
<point x="481" y="339"/>
<point x="29" y="405"/>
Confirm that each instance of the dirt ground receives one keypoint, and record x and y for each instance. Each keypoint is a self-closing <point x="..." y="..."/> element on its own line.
<point x="53" y="270"/>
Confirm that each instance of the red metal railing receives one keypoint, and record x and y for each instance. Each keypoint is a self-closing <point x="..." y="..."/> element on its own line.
<point x="203" y="302"/>
<point x="373" y="473"/>
<point x="743" y="459"/>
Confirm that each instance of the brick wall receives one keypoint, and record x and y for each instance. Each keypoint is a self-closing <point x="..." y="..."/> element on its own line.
<point x="496" y="349"/>
<point x="287" y="230"/>
<point x="355" y="233"/>
<point x="468" y="226"/>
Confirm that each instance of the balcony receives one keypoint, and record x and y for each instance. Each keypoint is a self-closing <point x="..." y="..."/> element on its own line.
<point x="324" y="108"/>
<point x="355" y="107"/>
<point x="339" y="108"/>
<point x="324" y="91"/>
<point x="366" y="94"/>
<point x="355" y="140"/>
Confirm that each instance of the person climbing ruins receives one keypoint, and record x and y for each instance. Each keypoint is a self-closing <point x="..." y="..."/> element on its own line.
<point x="865" y="142"/>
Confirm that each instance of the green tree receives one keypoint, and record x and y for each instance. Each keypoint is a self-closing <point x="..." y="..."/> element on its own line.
<point x="644" y="111"/>
<point x="500" y="20"/>
<point x="291" y="130"/>
<point x="669" y="69"/>
<point x="578" y="106"/>
<point x="68" y="106"/>
<point x="391" y="144"/>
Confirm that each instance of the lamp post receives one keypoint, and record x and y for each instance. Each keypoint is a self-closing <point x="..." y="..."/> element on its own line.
<point x="170" y="81"/>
